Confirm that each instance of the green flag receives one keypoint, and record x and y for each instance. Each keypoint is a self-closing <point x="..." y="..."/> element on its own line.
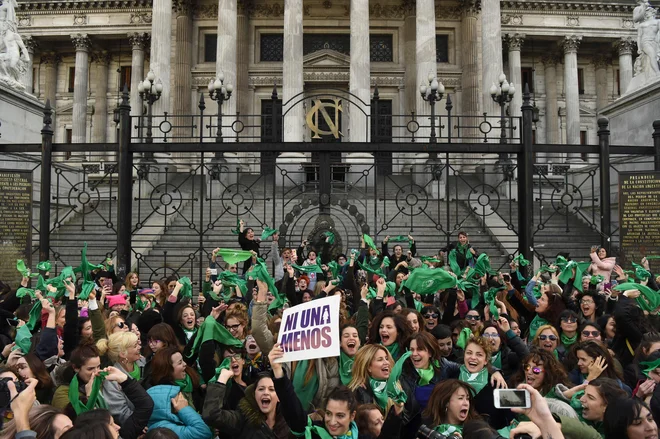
<point x="640" y="272"/>
<point x="267" y="233"/>
<point x="649" y="300"/>
<point x="44" y="266"/>
<point x="567" y="273"/>
<point x="369" y="242"/>
<point x="87" y="288"/>
<point x="311" y="268"/>
<point x="234" y="256"/>
<point x="85" y="268"/>
<point x="429" y="281"/>
<point x="186" y="289"/>
<point x="369" y="269"/>
<point x="25" y="271"/>
<point x="23" y="339"/>
<point x="330" y="237"/>
<point x="230" y="279"/>
<point x="212" y="330"/>
<point x="520" y="260"/>
<point x="237" y="230"/>
<point x="22" y="292"/>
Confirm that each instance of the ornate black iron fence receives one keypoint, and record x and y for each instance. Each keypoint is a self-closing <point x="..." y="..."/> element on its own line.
<point x="160" y="203"/>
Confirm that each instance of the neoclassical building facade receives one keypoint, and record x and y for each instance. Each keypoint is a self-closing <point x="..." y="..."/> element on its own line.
<point x="576" y="56"/>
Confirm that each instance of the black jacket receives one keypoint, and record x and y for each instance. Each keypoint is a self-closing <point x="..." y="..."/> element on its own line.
<point x="513" y="351"/>
<point x="133" y="426"/>
<point x="296" y="417"/>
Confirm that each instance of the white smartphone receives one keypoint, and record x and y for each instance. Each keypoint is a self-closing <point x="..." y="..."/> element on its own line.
<point x="512" y="398"/>
<point x="214" y="271"/>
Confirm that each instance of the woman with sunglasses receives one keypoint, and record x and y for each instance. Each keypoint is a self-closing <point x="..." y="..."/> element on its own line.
<point x="541" y="370"/>
<point x="507" y="347"/>
<point x="590" y="331"/>
<point x="431" y="317"/>
<point x="568" y="336"/>
<point x="592" y="357"/>
<point x="547" y="338"/>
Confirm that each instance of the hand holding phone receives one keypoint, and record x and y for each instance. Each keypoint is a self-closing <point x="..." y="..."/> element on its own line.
<point x="512" y="398"/>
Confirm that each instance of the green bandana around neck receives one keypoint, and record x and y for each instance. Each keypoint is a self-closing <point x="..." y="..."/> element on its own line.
<point x="425" y="375"/>
<point x="95" y="399"/>
<point x="536" y="323"/>
<point x="378" y="387"/>
<point x="496" y="360"/>
<point x="185" y="384"/>
<point x="449" y="429"/>
<point x="567" y="341"/>
<point x="477" y="380"/>
<point x="393" y="349"/>
<point x="321" y="432"/>
<point x="137" y="372"/>
<point x="305" y="390"/>
<point x="345" y="368"/>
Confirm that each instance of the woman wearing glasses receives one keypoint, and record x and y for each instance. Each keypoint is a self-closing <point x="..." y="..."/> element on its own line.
<point x="507" y="347"/>
<point x="590" y="331"/>
<point x="568" y="325"/>
<point x="547" y="338"/>
<point x="591" y="305"/>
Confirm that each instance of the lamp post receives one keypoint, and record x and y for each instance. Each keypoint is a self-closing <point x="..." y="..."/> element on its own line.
<point x="432" y="93"/>
<point x="220" y="93"/>
<point x="150" y="91"/>
<point x="502" y="95"/>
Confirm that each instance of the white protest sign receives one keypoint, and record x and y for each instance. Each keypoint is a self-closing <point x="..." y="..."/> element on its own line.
<point x="310" y="330"/>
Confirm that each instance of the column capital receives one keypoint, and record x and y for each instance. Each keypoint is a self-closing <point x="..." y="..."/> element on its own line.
<point x="514" y="41"/>
<point x="184" y="7"/>
<point x="51" y="58"/>
<point x="245" y="7"/>
<point x="81" y="42"/>
<point x="571" y="43"/>
<point x="625" y="45"/>
<point x="409" y="7"/>
<point x="30" y="42"/>
<point x="470" y="7"/>
<point x="139" y="40"/>
<point x="101" y="58"/>
<point x="550" y="59"/>
<point x="601" y="61"/>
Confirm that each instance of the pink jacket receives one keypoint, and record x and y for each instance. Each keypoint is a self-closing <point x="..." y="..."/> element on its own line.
<point x="603" y="267"/>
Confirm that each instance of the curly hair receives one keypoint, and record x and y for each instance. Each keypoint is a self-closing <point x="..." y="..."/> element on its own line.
<point x="553" y="369"/>
<point x="484" y="344"/>
<point x="402" y="328"/>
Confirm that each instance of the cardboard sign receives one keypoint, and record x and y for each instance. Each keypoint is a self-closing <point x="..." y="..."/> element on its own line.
<point x="310" y="330"/>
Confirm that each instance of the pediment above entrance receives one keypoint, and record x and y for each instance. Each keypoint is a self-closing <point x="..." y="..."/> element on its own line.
<point x="326" y="58"/>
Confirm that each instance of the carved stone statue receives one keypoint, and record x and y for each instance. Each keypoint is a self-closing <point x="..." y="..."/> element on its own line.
<point x="14" y="56"/>
<point x="647" y="65"/>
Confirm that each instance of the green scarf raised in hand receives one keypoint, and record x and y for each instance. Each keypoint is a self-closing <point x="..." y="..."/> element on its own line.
<point x="234" y="256"/>
<point x="536" y="323"/>
<point x="95" y="399"/>
<point x="212" y="330"/>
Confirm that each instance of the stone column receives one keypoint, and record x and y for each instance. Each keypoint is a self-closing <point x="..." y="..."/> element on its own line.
<point x="161" y="51"/>
<point x="242" y="88"/>
<point x="31" y="44"/>
<point x="491" y="53"/>
<point x="292" y="73"/>
<point x="410" y="75"/>
<point x="471" y="98"/>
<point x="181" y="75"/>
<point x="82" y="44"/>
<point x="360" y="71"/>
<point x="600" y="63"/>
<point x="570" y="45"/>
<point x="227" y="57"/>
<point x="139" y="42"/>
<point x="514" y="44"/>
<point x="425" y="57"/>
<point x="625" y="47"/>
<point x="551" y="108"/>
<point x="100" y="118"/>
<point x="49" y="61"/>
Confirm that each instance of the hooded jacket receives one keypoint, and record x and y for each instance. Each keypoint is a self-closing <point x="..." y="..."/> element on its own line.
<point x="603" y="267"/>
<point x="186" y="424"/>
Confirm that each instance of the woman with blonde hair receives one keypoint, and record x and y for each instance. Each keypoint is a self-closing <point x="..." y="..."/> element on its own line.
<point x="116" y="324"/>
<point x="547" y="338"/>
<point x="372" y="367"/>
<point x="123" y="351"/>
<point x="236" y="323"/>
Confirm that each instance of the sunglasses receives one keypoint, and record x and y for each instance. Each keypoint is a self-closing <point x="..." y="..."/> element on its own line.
<point x="569" y="319"/>
<point x="120" y="325"/>
<point x="475" y="318"/>
<point x="431" y="316"/>
<point x="535" y="370"/>
<point x="591" y="333"/>
<point x="548" y="337"/>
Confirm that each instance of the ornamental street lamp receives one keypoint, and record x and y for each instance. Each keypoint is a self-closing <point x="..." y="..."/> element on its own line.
<point x="150" y="90"/>
<point x="432" y="93"/>
<point x="220" y="93"/>
<point x="502" y="96"/>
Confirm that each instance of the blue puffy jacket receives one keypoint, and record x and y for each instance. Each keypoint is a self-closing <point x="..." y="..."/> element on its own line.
<point x="186" y="424"/>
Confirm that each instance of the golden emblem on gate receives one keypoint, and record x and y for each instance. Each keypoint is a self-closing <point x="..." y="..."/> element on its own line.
<point x="320" y="108"/>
